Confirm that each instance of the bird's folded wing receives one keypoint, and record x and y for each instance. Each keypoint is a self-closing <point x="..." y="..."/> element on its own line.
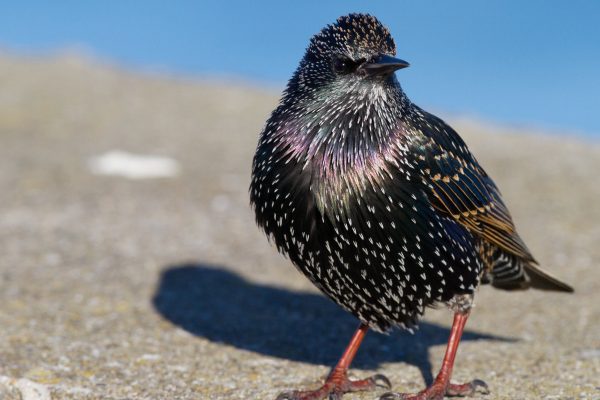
<point x="461" y="188"/>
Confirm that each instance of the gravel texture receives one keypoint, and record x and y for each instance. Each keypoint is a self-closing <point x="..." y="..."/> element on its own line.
<point x="113" y="288"/>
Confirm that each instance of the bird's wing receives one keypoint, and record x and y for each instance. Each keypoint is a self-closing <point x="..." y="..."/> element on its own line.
<point x="459" y="186"/>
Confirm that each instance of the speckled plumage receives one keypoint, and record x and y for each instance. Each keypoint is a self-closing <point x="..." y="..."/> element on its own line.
<point x="379" y="203"/>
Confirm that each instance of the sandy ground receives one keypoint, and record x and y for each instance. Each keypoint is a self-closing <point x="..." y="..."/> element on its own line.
<point x="113" y="288"/>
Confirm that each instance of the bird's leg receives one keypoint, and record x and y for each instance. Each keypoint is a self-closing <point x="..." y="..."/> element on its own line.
<point x="441" y="386"/>
<point x="337" y="382"/>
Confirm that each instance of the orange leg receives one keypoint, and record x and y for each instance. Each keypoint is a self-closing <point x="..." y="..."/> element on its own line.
<point x="337" y="382"/>
<point x="441" y="386"/>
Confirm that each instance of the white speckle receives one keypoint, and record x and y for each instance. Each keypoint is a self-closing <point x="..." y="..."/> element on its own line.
<point x="133" y="166"/>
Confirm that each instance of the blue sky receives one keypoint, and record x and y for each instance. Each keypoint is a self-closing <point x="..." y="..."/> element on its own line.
<point x="527" y="63"/>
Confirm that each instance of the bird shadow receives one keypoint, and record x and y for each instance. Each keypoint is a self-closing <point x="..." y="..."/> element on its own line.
<point x="214" y="303"/>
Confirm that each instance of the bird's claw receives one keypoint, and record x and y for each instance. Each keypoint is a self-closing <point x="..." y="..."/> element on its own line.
<point x="335" y="388"/>
<point x="468" y="389"/>
<point x="381" y="381"/>
<point x="437" y="392"/>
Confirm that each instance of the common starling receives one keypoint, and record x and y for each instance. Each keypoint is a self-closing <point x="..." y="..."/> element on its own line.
<point x="379" y="203"/>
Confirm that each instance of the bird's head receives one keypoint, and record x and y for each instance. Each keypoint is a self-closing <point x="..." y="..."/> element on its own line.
<point x="343" y="103"/>
<point x="353" y="55"/>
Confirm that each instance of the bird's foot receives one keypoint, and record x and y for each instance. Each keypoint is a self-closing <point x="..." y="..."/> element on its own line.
<point x="467" y="389"/>
<point x="336" y="386"/>
<point x="438" y="390"/>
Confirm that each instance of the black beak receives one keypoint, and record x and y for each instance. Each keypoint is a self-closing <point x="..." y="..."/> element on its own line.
<point x="383" y="65"/>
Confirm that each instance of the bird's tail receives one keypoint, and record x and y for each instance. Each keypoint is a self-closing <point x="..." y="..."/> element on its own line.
<point x="510" y="272"/>
<point x="542" y="280"/>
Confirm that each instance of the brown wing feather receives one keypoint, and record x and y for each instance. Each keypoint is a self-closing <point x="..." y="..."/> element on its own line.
<point x="462" y="189"/>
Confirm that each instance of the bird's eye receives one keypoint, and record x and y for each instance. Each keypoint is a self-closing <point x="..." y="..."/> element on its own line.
<point x="344" y="65"/>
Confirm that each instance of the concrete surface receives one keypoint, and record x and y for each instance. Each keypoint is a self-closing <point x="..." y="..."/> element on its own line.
<point x="113" y="288"/>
